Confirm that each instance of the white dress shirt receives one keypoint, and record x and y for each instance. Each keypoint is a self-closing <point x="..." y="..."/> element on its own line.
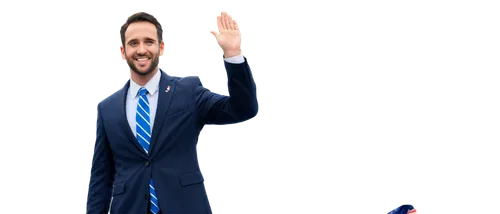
<point x="152" y="87"/>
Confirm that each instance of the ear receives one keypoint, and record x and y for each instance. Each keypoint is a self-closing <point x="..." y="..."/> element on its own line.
<point x="162" y="46"/>
<point x="121" y="50"/>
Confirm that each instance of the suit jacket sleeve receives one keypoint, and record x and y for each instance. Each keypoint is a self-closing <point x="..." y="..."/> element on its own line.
<point x="102" y="172"/>
<point x="240" y="105"/>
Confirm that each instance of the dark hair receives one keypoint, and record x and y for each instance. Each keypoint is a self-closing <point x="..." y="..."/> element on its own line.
<point x="141" y="17"/>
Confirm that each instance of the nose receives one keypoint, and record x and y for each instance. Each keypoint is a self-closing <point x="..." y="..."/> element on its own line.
<point x="141" y="49"/>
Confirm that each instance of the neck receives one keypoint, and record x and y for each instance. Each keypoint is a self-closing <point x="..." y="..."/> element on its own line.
<point x="142" y="79"/>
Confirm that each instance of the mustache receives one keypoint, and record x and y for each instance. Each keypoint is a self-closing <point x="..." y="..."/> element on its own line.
<point x="135" y="56"/>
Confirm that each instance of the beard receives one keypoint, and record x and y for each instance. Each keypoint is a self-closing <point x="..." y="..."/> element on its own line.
<point x="154" y="63"/>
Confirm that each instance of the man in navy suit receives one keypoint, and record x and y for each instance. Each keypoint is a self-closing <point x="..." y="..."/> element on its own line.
<point x="145" y="158"/>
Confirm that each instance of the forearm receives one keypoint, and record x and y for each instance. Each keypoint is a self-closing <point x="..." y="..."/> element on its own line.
<point x="242" y="90"/>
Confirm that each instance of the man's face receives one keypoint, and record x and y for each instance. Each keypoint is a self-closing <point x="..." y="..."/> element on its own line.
<point x="142" y="50"/>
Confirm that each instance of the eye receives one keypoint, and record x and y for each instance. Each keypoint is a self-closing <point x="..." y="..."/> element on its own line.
<point x="132" y="43"/>
<point x="149" y="42"/>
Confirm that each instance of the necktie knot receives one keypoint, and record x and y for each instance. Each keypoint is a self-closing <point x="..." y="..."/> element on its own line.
<point x="143" y="91"/>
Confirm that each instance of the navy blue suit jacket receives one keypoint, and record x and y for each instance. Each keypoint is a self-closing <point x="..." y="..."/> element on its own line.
<point x="120" y="172"/>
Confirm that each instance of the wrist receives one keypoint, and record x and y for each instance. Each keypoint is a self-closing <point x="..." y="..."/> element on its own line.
<point x="228" y="54"/>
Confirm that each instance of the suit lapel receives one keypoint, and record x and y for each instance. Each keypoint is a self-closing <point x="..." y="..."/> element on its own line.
<point x="124" y="125"/>
<point x="165" y="93"/>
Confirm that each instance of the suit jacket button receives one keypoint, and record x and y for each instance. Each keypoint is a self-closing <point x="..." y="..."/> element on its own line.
<point x="146" y="164"/>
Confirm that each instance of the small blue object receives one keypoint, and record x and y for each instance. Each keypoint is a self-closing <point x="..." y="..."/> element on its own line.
<point x="402" y="209"/>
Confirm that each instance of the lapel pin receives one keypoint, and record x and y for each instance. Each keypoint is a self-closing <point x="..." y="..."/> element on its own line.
<point x="168" y="89"/>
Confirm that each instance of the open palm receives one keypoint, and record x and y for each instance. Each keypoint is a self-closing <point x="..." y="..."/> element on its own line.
<point x="229" y="36"/>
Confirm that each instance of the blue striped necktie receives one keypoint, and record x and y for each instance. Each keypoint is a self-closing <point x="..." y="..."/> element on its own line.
<point x="143" y="130"/>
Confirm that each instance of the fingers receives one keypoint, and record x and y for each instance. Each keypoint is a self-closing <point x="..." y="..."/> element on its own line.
<point x="233" y="23"/>
<point x="213" y="31"/>
<point x="225" y="22"/>
<point x="217" y="21"/>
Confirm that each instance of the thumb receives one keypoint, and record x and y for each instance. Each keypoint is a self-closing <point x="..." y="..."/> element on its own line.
<point x="213" y="33"/>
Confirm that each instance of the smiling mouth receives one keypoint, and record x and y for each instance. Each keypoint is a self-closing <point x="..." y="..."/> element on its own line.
<point x="142" y="61"/>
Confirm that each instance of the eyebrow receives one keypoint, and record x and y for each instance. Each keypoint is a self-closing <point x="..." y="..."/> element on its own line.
<point x="146" y="39"/>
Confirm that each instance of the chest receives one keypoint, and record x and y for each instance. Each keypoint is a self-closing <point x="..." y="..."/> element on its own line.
<point x="133" y="108"/>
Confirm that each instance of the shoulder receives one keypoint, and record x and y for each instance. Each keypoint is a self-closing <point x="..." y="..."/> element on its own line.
<point x="187" y="81"/>
<point x="114" y="99"/>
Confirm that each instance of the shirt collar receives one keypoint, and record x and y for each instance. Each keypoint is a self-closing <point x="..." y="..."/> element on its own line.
<point x="152" y="85"/>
